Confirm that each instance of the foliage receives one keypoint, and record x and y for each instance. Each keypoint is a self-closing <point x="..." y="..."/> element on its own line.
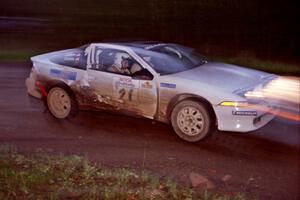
<point x="264" y="65"/>
<point x="45" y="176"/>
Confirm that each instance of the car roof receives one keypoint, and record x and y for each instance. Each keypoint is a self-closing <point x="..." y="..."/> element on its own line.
<point x="147" y="45"/>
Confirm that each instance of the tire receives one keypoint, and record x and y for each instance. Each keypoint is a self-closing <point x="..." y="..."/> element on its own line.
<point x="191" y="120"/>
<point x="61" y="102"/>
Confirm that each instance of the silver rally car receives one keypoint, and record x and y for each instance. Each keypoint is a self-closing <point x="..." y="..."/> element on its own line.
<point x="165" y="82"/>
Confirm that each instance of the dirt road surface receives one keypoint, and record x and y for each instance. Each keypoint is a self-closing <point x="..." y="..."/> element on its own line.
<point x="263" y="163"/>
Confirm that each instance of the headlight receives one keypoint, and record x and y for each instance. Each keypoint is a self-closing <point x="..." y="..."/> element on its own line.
<point x="254" y="94"/>
<point x="234" y="103"/>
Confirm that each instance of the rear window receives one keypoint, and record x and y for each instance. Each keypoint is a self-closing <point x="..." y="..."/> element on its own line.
<point x="72" y="58"/>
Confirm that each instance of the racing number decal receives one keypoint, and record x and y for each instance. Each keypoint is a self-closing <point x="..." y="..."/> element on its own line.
<point x="130" y="94"/>
<point x="125" y="88"/>
<point x="122" y="93"/>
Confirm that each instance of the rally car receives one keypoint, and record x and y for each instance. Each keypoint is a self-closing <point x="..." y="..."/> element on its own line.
<point x="166" y="82"/>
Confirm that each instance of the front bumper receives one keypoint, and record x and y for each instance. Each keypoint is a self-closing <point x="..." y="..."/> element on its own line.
<point x="244" y="119"/>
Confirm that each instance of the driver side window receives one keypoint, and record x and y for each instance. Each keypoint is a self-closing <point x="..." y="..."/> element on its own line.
<point x="114" y="61"/>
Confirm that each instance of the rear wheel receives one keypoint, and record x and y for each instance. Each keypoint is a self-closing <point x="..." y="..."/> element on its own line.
<point x="61" y="102"/>
<point x="191" y="120"/>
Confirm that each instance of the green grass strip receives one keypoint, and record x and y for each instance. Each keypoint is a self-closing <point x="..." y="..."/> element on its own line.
<point x="51" y="176"/>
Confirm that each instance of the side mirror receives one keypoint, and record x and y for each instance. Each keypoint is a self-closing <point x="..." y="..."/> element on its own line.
<point x="144" y="74"/>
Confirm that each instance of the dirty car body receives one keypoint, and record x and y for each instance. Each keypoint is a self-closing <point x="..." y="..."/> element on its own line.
<point x="156" y="78"/>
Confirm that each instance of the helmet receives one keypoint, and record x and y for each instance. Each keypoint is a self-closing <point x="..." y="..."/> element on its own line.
<point x="119" y="57"/>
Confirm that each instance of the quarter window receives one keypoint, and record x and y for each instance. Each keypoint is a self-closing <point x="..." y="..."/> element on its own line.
<point x="72" y="58"/>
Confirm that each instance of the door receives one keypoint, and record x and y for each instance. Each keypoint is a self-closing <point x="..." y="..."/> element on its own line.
<point x="120" y="82"/>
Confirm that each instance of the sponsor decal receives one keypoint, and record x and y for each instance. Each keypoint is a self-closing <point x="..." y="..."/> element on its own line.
<point x="147" y="85"/>
<point x="69" y="75"/>
<point x="55" y="72"/>
<point x="124" y="82"/>
<point x="168" y="85"/>
<point x="245" y="113"/>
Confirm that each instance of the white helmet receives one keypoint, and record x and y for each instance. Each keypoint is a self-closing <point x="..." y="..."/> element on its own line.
<point x="118" y="59"/>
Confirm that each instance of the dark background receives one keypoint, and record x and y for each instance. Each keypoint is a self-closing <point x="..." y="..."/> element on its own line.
<point x="264" y="29"/>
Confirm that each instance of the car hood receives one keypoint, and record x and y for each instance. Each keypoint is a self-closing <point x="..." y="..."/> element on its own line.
<point x="224" y="76"/>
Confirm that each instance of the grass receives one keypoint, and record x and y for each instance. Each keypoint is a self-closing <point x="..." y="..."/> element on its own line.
<point x="48" y="176"/>
<point x="44" y="176"/>
<point x="17" y="55"/>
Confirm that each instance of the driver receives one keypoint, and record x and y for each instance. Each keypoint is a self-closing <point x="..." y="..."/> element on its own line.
<point x="124" y="64"/>
<point x="121" y="64"/>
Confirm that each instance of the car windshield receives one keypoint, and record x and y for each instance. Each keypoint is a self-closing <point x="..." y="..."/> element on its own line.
<point x="170" y="58"/>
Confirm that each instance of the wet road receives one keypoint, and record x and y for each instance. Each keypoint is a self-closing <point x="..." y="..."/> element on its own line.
<point x="264" y="163"/>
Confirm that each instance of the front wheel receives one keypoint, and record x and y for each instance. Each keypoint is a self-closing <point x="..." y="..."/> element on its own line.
<point x="191" y="120"/>
<point x="60" y="102"/>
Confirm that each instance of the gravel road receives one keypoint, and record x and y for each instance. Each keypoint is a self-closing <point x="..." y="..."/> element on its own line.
<point x="263" y="163"/>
